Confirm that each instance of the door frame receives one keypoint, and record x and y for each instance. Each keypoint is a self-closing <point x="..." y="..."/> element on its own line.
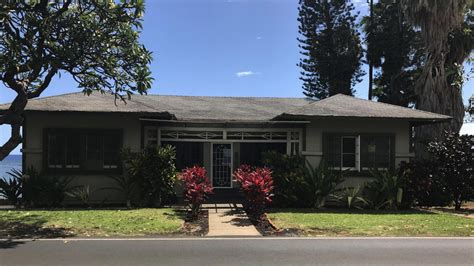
<point x="231" y="163"/>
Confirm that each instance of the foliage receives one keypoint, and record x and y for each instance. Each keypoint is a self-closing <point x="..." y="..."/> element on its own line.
<point x="81" y="193"/>
<point x="386" y="191"/>
<point x="288" y="178"/>
<point x="154" y="171"/>
<point x="196" y="188"/>
<point x="320" y="182"/>
<point x="257" y="186"/>
<point x="455" y="159"/>
<point x="42" y="190"/>
<point x="126" y="186"/>
<point x="423" y="184"/>
<point x="394" y="47"/>
<point x="330" y="48"/>
<point x="95" y="42"/>
<point x="351" y="197"/>
<point x="12" y="188"/>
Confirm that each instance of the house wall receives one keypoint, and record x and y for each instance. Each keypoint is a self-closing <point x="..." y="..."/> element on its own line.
<point x="36" y="122"/>
<point x="313" y="146"/>
<point x="131" y="126"/>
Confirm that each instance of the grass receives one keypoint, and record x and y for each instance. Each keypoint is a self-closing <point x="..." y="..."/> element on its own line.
<point x="371" y="223"/>
<point x="89" y="223"/>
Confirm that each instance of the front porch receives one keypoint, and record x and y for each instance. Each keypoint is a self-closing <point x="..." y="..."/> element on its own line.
<point x="221" y="148"/>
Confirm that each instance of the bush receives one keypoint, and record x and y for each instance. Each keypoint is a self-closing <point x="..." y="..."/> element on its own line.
<point x="42" y="190"/>
<point x="423" y="184"/>
<point x="257" y="185"/>
<point x="196" y="188"/>
<point x="319" y="183"/>
<point x="386" y="191"/>
<point x="288" y="178"/>
<point x="351" y="197"/>
<point x="456" y="166"/>
<point x="12" y="188"/>
<point x="155" y="172"/>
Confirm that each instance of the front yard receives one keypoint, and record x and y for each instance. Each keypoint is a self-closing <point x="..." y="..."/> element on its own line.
<point x="306" y="222"/>
<point x="89" y="223"/>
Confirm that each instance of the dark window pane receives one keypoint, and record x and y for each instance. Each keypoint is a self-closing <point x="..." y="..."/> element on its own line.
<point x="348" y="160"/>
<point x="333" y="151"/>
<point x="188" y="154"/>
<point x="111" y="151"/>
<point x="348" y="145"/>
<point x="251" y="153"/>
<point x="56" y="146"/>
<point x="73" y="151"/>
<point x="375" y="151"/>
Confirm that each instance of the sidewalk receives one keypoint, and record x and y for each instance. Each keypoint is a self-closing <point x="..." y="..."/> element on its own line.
<point x="229" y="220"/>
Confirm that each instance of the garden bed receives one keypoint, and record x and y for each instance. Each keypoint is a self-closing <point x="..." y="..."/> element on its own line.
<point x="53" y="223"/>
<point x="307" y="222"/>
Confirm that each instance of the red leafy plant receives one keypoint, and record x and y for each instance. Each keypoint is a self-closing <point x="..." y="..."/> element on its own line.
<point x="196" y="188"/>
<point x="257" y="185"/>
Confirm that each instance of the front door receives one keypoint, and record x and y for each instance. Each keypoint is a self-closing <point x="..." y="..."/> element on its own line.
<point x="222" y="165"/>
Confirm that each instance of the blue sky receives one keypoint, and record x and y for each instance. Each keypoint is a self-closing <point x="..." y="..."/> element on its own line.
<point x="220" y="47"/>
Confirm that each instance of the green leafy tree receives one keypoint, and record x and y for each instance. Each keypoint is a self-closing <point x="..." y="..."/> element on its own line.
<point x="96" y="42"/>
<point x="330" y="48"/>
<point x="394" y="47"/>
<point x="455" y="161"/>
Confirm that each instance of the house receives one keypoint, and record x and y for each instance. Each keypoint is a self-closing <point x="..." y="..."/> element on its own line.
<point x="81" y="136"/>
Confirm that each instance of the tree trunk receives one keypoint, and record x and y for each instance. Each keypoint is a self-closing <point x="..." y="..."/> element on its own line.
<point x="436" y="95"/>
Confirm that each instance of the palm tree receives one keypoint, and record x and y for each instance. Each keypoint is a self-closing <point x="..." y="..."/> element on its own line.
<point x="437" y="19"/>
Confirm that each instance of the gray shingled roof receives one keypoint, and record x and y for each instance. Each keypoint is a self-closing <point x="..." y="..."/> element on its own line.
<point x="229" y="108"/>
<point x="347" y="106"/>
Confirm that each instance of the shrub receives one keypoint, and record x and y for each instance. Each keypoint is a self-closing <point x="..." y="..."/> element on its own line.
<point x="43" y="190"/>
<point x="351" y="197"/>
<point x="454" y="158"/>
<point x="288" y="178"/>
<point x="386" y="191"/>
<point x="12" y="188"/>
<point x="319" y="183"/>
<point x="196" y="187"/>
<point x="423" y="184"/>
<point x="155" y="172"/>
<point x="82" y="194"/>
<point x="257" y="185"/>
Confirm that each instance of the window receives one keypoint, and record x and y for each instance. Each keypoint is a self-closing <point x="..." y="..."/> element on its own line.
<point x="358" y="152"/>
<point x="376" y="152"/>
<point x="251" y="153"/>
<point x="78" y="149"/>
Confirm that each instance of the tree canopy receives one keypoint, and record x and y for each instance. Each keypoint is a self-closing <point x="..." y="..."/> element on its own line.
<point x="330" y="47"/>
<point x="96" y="42"/>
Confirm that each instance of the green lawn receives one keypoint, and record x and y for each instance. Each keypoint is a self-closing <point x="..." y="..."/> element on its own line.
<point x="371" y="223"/>
<point x="85" y="223"/>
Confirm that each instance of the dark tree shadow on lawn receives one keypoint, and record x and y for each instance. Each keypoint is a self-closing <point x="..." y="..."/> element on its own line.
<point x="31" y="226"/>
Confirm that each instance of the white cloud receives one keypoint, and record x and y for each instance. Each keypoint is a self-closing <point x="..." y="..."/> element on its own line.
<point x="246" y="73"/>
<point x="259" y="38"/>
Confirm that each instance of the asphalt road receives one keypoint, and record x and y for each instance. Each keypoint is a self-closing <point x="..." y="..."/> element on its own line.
<point x="239" y="252"/>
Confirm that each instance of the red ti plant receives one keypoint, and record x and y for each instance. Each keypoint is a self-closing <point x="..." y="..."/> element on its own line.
<point x="196" y="188"/>
<point x="257" y="185"/>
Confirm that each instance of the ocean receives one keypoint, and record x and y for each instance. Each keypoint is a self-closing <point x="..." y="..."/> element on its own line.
<point x="9" y="163"/>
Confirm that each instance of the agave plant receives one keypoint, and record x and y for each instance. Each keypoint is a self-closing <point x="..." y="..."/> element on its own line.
<point x="321" y="182"/>
<point x="386" y="191"/>
<point x="12" y="188"/>
<point x="81" y="193"/>
<point x="351" y="197"/>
